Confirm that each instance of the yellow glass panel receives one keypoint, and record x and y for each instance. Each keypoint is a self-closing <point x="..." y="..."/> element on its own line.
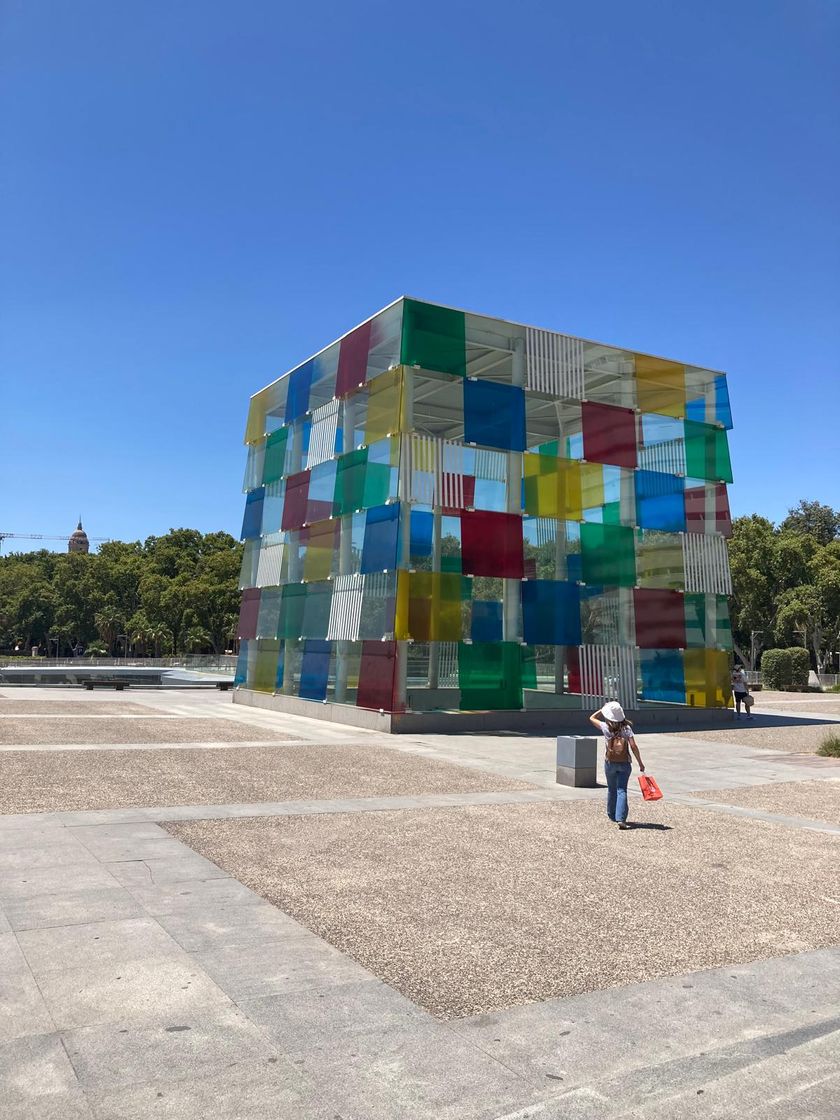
<point x="591" y="485"/>
<point x="401" y="630"/>
<point x="552" y="487"/>
<point x="255" y="428"/>
<point x="659" y="560"/>
<point x="320" y="549"/>
<point x="265" y="667"/>
<point x="660" y="386"/>
<point x="429" y="606"/>
<point x="384" y="405"/>
<point x="707" y="678"/>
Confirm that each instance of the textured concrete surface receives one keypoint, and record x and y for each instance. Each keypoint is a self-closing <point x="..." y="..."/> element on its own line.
<point x="103" y="707"/>
<point x="795" y="738"/>
<point x="49" y="732"/>
<point x="817" y="800"/>
<point x="468" y="910"/>
<point x="36" y="782"/>
<point x="139" y="980"/>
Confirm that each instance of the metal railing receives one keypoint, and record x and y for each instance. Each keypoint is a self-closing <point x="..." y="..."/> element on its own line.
<point x="207" y="663"/>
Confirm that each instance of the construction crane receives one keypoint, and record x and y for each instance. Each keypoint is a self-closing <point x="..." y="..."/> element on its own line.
<point x="46" y="537"/>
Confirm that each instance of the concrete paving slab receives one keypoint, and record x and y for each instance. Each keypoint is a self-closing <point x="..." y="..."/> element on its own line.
<point x="178" y="867"/>
<point x="169" y="898"/>
<point x="212" y="927"/>
<point x="96" y="945"/>
<point x="46" y="733"/>
<point x="313" y="1018"/>
<point x="155" y="986"/>
<point x="37" y="1081"/>
<point x="22" y="1007"/>
<point x="53" y="880"/>
<point x="20" y="857"/>
<point x="288" y="966"/>
<point x="71" y="907"/>
<point x="163" y="1048"/>
<point x="267" y="1089"/>
<point x="420" y="1072"/>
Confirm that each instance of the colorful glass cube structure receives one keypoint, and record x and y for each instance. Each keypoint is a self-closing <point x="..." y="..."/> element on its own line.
<point x="450" y="512"/>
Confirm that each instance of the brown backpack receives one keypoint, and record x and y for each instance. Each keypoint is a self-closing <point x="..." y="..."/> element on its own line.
<point x="617" y="749"/>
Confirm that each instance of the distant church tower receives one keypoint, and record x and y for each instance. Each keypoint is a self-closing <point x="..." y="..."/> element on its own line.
<point x="79" y="540"/>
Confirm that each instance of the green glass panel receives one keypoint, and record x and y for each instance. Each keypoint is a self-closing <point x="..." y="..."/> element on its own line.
<point x="695" y="621"/>
<point x="608" y="555"/>
<point x="707" y="452"/>
<point x="377" y="485"/>
<point x="265" y="665"/>
<point x="275" y="455"/>
<point x="291" y="611"/>
<point x="612" y="513"/>
<point x="350" y="483"/>
<point x="434" y="338"/>
<point x="490" y="675"/>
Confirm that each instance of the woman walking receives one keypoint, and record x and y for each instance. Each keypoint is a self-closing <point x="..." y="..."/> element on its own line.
<point x="619" y="741"/>
<point x="740" y="691"/>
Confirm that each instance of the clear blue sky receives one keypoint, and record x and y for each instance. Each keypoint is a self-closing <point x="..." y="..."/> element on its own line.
<point x="198" y="194"/>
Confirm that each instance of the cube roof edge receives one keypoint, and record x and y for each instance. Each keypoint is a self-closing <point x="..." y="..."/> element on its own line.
<point x="492" y="318"/>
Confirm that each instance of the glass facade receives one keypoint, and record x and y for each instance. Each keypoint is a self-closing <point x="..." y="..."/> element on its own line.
<point x="447" y="511"/>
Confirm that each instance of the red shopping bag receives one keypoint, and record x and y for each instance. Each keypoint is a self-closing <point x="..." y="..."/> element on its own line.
<point x="650" y="790"/>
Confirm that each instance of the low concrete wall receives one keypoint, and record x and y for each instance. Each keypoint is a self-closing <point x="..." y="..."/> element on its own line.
<point x="545" y="721"/>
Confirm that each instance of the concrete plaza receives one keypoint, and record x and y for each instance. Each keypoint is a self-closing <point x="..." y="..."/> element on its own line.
<point x="455" y="936"/>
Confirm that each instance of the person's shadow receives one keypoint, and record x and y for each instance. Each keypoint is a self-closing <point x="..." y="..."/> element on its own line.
<point x="648" y="824"/>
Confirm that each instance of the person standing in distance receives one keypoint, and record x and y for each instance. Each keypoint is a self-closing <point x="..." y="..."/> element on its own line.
<point x="619" y="741"/>
<point x="740" y="691"/>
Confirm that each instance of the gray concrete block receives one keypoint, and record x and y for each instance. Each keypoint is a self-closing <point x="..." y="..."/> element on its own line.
<point x="96" y="945"/>
<point x="22" y="1008"/>
<point x="54" y="853"/>
<point x="71" y="907"/>
<point x="289" y="966"/>
<point x="50" y="880"/>
<point x="155" y="987"/>
<point x="180" y="865"/>
<point x="37" y="1081"/>
<point x="577" y="761"/>
<point x="164" y="1047"/>
<point x="207" y="928"/>
<point x="267" y="1089"/>
<point x="314" y="1017"/>
<point x="170" y="898"/>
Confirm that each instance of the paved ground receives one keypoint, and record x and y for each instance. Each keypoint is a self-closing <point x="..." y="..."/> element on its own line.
<point x="816" y="800"/>
<point x="140" y="979"/>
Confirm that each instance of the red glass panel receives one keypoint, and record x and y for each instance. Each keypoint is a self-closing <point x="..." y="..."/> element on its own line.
<point x="248" y="613"/>
<point x="491" y="544"/>
<point x="609" y="434"/>
<point x="660" y="619"/>
<point x="469" y="493"/>
<point x="707" y="509"/>
<point x="352" y="360"/>
<point x="294" y="507"/>
<point x="377" y="675"/>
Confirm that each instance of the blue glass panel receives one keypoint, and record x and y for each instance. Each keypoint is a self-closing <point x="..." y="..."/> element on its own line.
<point x="241" y="673"/>
<point x="422" y="525"/>
<point x="486" y="621"/>
<point x="551" y="612"/>
<point x="278" y="683"/>
<point x="574" y="566"/>
<point x="663" y="675"/>
<point x="723" y="409"/>
<point x="315" y="670"/>
<point x="659" y="501"/>
<point x="252" y="520"/>
<point x="379" y="552"/>
<point x="696" y="410"/>
<point x="494" y="415"/>
<point x="300" y="382"/>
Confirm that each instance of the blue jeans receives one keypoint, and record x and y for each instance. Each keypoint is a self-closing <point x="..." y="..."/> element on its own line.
<point x="618" y="774"/>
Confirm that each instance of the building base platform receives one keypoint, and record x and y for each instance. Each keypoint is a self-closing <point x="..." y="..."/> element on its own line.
<point x="659" y="717"/>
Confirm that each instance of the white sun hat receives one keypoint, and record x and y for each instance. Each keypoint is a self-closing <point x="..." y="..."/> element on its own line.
<point x="613" y="711"/>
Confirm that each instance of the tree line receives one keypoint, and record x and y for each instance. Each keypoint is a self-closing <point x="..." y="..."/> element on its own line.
<point x="786" y="583"/>
<point x="176" y="593"/>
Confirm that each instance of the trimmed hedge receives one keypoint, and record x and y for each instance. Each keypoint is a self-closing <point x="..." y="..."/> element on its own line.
<point x="786" y="669"/>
